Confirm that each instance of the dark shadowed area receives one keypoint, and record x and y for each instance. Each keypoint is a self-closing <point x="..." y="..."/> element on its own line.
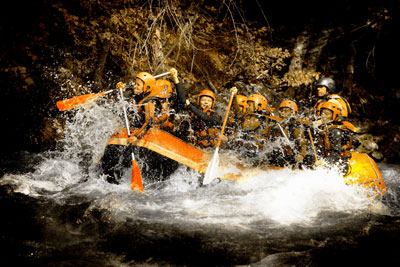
<point x="59" y="210"/>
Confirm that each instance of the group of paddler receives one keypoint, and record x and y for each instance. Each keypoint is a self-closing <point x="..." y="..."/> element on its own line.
<point x="257" y="136"/>
<point x="281" y="139"/>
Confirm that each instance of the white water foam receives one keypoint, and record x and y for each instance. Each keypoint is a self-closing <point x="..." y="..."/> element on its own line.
<point x="280" y="196"/>
<point x="284" y="196"/>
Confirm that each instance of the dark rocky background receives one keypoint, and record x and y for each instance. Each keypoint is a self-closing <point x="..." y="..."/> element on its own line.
<point x="51" y="50"/>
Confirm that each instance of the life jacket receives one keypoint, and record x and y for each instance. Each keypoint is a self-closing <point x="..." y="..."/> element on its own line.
<point x="325" y="143"/>
<point x="161" y="119"/>
<point x="345" y="108"/>
<point x="294" y="131"/>
<point x="206" y="133"/>
<point x="255" y="122"/>
<point x="256" y="129"/>
<point x="235" y="121"/>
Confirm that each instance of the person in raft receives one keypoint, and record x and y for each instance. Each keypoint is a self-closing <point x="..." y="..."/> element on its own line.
<point x="292" y="150"/>
<point x="153" y="104"/>
<point x="236" y="120"/>
<point x="255" y="129"/>
<point x="326" y="90"/>
<point x="205" y="121"/>
<point x="334" y="137"/>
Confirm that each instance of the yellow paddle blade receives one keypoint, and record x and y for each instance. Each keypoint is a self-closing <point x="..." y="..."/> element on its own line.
<point x="71" y="103"/>
<point x="136" y="177"/>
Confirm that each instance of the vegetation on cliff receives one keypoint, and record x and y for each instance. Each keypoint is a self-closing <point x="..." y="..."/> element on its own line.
<point x="60" y="49"/>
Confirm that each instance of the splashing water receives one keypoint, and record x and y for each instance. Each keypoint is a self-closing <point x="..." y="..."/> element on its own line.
<point x="228" y="222"/>
<point x="274" y="197"/>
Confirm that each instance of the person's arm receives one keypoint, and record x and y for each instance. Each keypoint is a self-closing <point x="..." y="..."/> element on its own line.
<point x="181" y="94"/>
<point x="179" y="90"/>
<point x="212" y="118"/>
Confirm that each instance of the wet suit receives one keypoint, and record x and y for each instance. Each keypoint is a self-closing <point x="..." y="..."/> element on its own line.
<point x="205" y="123"/>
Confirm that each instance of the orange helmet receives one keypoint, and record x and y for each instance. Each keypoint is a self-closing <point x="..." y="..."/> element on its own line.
<point x="148" y="81"/>
<point x="209" y="93"/>
<point x="335" y="108"/>
<point x="289" y="104"/>
<point x="241" y="101"/>
<point x="162" y="88"/>
<point x="260" y="102"/>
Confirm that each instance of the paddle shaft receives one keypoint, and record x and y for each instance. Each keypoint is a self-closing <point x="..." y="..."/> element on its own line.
<point x="126" y="118"/>
<point x="73" y="102"/>
<point x="312" y="144"/>
<point x="281" y="129"/>
<point x="155" y="77"/>
<point x="212" y="167"/>
<point x="284" y="134"/>
<point x="136" y="179"/>
<point x="225" y="120"/>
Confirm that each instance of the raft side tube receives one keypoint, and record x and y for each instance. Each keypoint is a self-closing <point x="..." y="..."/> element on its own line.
<point x="365" y="172"/>
<point x="166" y="145"/>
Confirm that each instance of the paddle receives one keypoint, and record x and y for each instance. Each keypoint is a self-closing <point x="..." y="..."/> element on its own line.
<point x="280" y="127"/>
<point x="312" y="144"/>
<point x="73" y="102"/>
<point x="290" y="144"/>
<point x="211" y="172"/>
<point x="136" y="176"/>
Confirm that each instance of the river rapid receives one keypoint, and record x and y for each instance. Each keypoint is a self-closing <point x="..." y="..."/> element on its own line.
<point x="59" y="210"/>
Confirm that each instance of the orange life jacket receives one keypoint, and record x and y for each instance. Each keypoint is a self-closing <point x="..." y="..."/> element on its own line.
<point x="256" y="129"/>
<point x="161" y="117"/>
<point x="206" y="134"/>
<point x="256" y="123"/>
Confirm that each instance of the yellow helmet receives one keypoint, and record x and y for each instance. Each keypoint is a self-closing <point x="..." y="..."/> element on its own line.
<point x="289" y="104"/>
<point x="260" y="102"/>
<point x="332" y="107"/>
<point x="148" y="81"/>
<point x="241" y="101"/>
<point x="209" y="93"/>
<point x="162" y="88"/>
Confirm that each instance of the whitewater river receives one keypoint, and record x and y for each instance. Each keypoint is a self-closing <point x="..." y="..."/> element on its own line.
<point x="58" y="210"/>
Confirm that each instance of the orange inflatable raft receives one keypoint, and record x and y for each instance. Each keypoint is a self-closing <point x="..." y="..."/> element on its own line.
<point x="363" y="170"/>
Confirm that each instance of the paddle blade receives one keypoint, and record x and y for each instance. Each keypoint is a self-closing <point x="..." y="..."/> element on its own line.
<point x="71" y="103"/>
<point x="136" y="177"/>
<point x="212" y="169"/>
